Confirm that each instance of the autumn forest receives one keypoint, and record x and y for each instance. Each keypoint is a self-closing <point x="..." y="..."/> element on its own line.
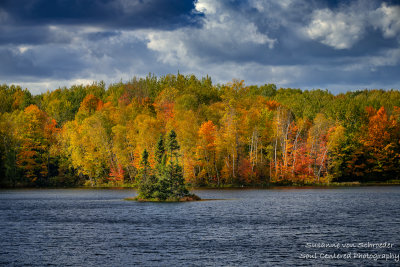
<point x="229" y="135"/>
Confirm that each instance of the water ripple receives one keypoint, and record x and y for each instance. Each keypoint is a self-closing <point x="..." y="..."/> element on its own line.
<point x="254" y="228"/>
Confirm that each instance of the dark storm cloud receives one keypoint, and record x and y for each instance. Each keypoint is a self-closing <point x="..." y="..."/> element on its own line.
<point x="96" y="36"/>
<point x="11" y="64"/>
<point x="31" y="35"/>
<point x="131" y="14"/>
<point x="35" y="63"/>
<point x="59" y="39"/>
<point x="339" y="44"/>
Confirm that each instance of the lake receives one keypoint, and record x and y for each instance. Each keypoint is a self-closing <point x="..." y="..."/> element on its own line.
<point x="251" y="227"/>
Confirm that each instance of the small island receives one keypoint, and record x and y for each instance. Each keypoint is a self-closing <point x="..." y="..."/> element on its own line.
<point x="164" y="182"/>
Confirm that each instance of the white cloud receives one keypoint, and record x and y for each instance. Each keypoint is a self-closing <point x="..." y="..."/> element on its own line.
<point x="23" y="48"/>
<point x="276" y="6"/>
<point x="206" y="6"/>
<point x="390" y="57"/>
<point x="387" y="19"/>
<point x="344" y="28"/>
<point x="339" y="30"/>
<point x="222" y="30"/>
<point x="171" y="46"/>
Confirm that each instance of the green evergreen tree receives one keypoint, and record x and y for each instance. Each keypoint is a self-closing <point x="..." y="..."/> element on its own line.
<point x="167" y="183"/>
<point x="163" y="184"/>
<point x="172" y="146"/>
<point x="160" y="150"/>
<point x="178" y="187"/>
<point x="174" y="170"/>
<point x="147" y="180"/>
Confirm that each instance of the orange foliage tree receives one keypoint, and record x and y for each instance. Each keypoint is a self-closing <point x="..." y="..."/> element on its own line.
<point x="35" y="133"/>
<point x="206" y="153"/>
<point x="380" y="142"/>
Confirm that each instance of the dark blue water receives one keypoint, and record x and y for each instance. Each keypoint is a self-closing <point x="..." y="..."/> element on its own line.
<point x="279" y="227"/>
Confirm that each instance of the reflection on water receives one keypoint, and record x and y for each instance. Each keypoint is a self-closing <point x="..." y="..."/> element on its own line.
<point x="82" y="227"/>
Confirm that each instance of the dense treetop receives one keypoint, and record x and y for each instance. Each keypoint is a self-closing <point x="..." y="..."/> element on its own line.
<point x="229" y="134"/>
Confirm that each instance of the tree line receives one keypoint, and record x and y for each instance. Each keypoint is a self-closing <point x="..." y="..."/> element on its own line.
<point x="228" y="134"/>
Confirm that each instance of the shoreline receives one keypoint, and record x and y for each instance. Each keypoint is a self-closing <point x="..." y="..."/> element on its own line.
<point x="175" y="201"/>
<point x="229" y="187"/>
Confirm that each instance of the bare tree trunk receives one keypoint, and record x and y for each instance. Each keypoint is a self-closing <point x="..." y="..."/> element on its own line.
<point x="322" y="164"/>
<point x="216" y="169"/>
<point x="233" y="163"/>
<point x="295" y="150"/>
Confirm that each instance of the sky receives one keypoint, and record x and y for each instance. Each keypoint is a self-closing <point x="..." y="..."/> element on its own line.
<point x="339" y="45"/>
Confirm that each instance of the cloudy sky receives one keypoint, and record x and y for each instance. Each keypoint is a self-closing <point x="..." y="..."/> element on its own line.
<point x="337" y="45"/>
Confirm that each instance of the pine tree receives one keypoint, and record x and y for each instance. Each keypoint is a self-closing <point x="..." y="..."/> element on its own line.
<point x="168" y="182"/>
<point x="160" y="150"/>
<point x="145" y="159"/>
<point x="178" y="186"/>
<point x="174" y="170"/>
<point x="147" y="180"/>
<point x="172" y="146"/>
